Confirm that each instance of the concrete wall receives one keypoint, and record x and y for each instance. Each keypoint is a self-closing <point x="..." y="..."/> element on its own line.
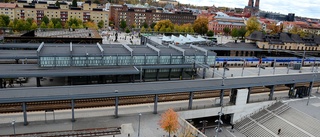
<point x="239" y="110"/>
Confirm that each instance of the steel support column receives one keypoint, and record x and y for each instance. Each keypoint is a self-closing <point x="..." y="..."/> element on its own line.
<point x="292" y="90"/>
<point x="248" y="96"/>
<point x="169" y="74"/>
<point x="1" y="83"/>
<point x="38" y="82"/>
<point x="116" y="107"/>
<point x="271" y="92"/>
<point x="24" y="108"/>
<point x="204" y="73"/>
<point x="190" y="100"/>
<point x="155" y="107"/>
<point x="157" y="75"/>
<point x="181" y="74"/>
<point x="72" y="111"/>
<point x="221" y="97"/>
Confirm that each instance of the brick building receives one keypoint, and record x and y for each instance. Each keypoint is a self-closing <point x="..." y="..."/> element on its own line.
<point x="221" y="21"/>
<point x="138" y="14"/>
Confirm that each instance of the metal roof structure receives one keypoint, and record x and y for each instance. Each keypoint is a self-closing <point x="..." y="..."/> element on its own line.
<point x="133" y="89"/>
<point x="18" y="54"/>
<point x="32" y="70"/>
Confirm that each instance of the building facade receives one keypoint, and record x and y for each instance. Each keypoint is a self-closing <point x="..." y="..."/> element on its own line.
<point x="221" y="21"/>
<point x="36" y="11"/>
<point x="140" y="14"/>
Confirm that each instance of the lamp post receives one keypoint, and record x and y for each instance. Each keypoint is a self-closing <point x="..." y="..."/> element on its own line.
<point x="14" y="127"/>
<point x="244" y="63"/>
<point x="139" y="125"/>
<point x="274" y="66"/>
<point x="218" y="129"/>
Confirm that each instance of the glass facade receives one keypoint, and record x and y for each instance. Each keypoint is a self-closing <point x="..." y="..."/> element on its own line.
<point x="122" y="60"/>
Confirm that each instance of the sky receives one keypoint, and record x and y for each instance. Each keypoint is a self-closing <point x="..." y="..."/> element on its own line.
<point x="304" y="8"/>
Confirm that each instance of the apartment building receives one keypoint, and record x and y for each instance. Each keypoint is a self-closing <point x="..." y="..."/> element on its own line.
<point x="37" y="10"/>
<point x="138" y="14"/>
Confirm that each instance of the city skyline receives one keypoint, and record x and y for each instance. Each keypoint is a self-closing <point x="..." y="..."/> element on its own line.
<point x="307" y="8"/>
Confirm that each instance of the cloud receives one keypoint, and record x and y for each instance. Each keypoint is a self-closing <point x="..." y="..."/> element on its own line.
<point x="305" y="8"/>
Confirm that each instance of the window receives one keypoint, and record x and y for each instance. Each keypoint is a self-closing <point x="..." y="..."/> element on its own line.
<point x="138" y="60"/>
<point x="164" y="59"/>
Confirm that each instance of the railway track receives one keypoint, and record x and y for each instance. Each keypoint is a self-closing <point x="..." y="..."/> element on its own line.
<point x="129" y="100"/>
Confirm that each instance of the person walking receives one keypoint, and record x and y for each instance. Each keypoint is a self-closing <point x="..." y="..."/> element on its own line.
<point x="279" y="130"/>
<point x="232" y="128"/>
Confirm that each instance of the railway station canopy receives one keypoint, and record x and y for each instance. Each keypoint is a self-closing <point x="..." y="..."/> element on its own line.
<point x="86" y="55"/>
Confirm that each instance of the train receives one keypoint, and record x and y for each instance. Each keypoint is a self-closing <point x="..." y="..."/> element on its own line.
<point x="266" y="61"/>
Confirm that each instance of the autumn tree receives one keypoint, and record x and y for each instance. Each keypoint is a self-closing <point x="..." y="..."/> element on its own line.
<point x="274" y="29"/>
<point x="164" y="26"/>
<point x="169" y="121"/>
<point x="152" y="25"/>
<point x="2" y="23"/>
<point x="50" y="25"/>
<point x="252" y="25"/>
<point x="58" y="25"/>
<point x="143" y="30"/>
<point x="200" y="25"/>
<point x="34" y="26"/>
<point x="91" y="25"/>
<point x="43" y="25"/>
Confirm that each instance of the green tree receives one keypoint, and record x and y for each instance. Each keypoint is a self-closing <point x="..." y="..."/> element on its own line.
<point x="45" y="19"/>
<point x="149" y="29"/>
<point x="2" y="23"/>
<point x="74" y="3"/>
<point x="50" y="25"/>
<point x="6" y="19"/>
<point x="55" y="20"/>
<point x="200" y="25"/>
<point x="30" y="20"/>
<point x="43" y="25"/>
<point x="235" y="33"/>
<point x="57" y="3"/>
<point x="34" y="26"/>
<point x="20" y="25"/>
<point x="252" y="25"/>
<point x="210" y="33"/>
<point x="27" y="25"/>
<point x="97" y="1"/>
<point x="58" y="25"/>
<point x="145" y="25"/>
<point x="226" y="31"/>
<point x="152" y="25"/>
<point x="101" y="24"/>
<point x="123" y="24"/>
<point x="242" y="32"/>
<point x="127" y="30"/>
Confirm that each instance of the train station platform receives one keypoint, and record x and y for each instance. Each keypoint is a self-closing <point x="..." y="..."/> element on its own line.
<point x="129" y="116"/>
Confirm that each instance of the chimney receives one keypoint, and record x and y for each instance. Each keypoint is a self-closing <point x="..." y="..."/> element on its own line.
<point x="257" y="3"/>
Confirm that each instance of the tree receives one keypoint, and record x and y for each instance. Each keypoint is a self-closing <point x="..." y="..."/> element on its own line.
<point x="274" y="29"/>
<point x="145" y="25"/>
<point x="58" y="25"/>
<point x="200" y="25"/>
<point x="20" y="25"/>
<point x="162" y="25"/>
<point x="2" y="23"/>
<point x="45" y="19"/>
<point x="252" y="25"/>
<point x="50" y="25"/>
<point x="152" y="25"/>
<point x="127" y="30"/>
<point x="143" y="30"/>
<point x="11" y="25"/>
<point x="27" y="25"/>
<point x="30" y="20"/>
<point x="34" y="26"/>
<point x="57" y="3"/>
<point x="91" y="25"/>
<point x="226" y="31"/>
<point x="210" y="33"/>
<point x="43" y="25"/>
<point x="169" y="121"/>
<point x="242" y="32"/>
<point x="100" y="24"/>
<point x="149" y="29"/>
<point x="123" y="24"/>
<point x="74" y="3"/>
<point x="96" y="1"/>
<point x="5" y="19"/>
<point x="235" y="33"/>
